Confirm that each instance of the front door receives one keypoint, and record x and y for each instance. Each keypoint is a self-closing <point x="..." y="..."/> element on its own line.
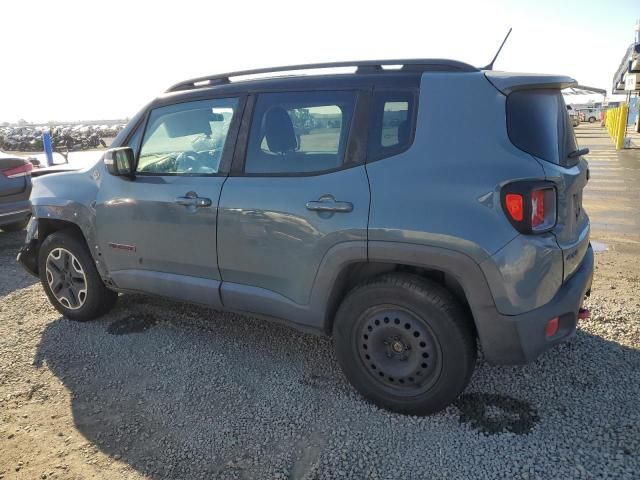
<point x="298" y="195"/>
<point x="157" y="233"/>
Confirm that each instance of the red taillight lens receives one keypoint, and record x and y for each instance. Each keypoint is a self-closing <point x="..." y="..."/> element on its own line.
<point x="537" y="208"/>
<point x="530" y="205"/>
<point x="515" y="206"/>
<point x="19" y="171"/>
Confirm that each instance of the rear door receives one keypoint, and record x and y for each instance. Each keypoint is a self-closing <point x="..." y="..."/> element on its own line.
<point x="539" y="124"/>
<point x="298" y="190"/>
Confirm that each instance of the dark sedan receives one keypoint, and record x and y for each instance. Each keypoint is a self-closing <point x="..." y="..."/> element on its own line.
<point x="15" y="188"/>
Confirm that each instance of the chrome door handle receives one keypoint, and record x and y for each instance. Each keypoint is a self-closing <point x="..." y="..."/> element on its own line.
<point x="329" y="205"/>
<point x="192" y="200"/>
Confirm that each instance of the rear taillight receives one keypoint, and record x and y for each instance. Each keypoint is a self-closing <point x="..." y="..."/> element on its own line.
<point x="514" y="204"/>
<point x="530" y="206"/>
<point x="537" y="208"/>
<point x="19" y="171"/>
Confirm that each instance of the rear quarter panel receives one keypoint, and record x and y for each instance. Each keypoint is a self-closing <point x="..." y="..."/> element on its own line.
<point x="444" y="191"/>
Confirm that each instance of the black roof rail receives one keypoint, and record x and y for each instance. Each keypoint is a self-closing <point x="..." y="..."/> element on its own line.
<point x="364" y="66"/>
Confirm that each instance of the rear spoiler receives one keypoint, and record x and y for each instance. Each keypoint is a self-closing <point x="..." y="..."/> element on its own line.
<point x="507" y="82"/>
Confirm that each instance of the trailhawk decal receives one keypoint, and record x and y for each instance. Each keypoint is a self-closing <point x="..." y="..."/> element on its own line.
<point x="121" y="246"/>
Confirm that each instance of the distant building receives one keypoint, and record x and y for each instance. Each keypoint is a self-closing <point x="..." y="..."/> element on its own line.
<point x="627" y="78"/>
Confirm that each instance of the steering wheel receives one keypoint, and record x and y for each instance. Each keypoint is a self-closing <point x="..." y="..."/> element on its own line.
<point x="188" y="162"/>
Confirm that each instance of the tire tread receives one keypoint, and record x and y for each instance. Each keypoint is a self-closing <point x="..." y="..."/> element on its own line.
<point x="101" y="300"/>
<point x="438" y="297"/>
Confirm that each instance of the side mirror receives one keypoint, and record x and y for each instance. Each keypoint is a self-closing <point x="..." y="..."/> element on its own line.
<point x="120" y="162"/>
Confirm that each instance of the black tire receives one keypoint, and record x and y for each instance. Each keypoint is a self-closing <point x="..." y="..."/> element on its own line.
<point x="97" y="299"/>
<point x="15" y="227"/>
<point x="592" y="119"/>
<point x="414" y="329"/>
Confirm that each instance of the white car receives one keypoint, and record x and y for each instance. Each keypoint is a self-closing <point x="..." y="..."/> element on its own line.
<point x="590" y="115"/>
<point x="575" y="118"/>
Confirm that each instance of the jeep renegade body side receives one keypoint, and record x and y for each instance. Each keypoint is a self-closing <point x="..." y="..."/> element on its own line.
<point x="372" y="207"/>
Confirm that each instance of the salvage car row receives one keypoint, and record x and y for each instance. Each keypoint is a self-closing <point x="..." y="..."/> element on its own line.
<point x="63" y="137"/>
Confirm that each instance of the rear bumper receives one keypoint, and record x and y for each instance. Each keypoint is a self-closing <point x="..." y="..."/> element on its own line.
<point x="515" y="339"/>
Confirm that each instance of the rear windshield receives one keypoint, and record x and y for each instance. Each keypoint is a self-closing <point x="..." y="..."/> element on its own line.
<point x="539" y="124"/>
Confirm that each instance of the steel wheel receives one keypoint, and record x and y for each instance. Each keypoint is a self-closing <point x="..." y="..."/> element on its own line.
<point x="399" y="350"/>
<point x="66" y="278"/>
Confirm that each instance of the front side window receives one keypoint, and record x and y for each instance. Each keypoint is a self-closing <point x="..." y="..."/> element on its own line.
<point x="187" y="138"/>
<point x="391" y="123"/>
<point x="299" y="132"/>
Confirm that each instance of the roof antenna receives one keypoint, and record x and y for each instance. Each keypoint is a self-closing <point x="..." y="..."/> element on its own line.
<point x="490" y="66"/>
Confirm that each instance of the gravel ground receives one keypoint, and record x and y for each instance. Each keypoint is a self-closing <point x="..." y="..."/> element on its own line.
<point x="163" y="390"/>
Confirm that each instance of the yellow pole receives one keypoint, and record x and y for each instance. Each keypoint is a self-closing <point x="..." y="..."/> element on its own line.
<point x="622" y="124"/>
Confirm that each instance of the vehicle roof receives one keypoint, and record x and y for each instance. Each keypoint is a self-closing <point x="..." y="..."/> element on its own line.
<point x="369" y="73"/>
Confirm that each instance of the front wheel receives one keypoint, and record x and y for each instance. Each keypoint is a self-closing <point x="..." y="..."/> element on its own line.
<point x="70" y="278"/>
<point x="405" y="344"/>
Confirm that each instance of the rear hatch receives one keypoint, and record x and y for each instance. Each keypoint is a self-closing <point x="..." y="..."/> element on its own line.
<point x="539" y="124"/>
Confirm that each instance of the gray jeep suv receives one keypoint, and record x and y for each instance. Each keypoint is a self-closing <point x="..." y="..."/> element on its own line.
<point x="370" y="206"/>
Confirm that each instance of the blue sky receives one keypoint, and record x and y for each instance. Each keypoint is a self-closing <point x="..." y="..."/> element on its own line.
<point x="81" y="60"/>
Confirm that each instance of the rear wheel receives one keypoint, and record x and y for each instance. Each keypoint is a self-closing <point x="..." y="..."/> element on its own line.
<point x="405" y="344"/>
<point x="16" y="226"/>
<point x="70" y="279"/>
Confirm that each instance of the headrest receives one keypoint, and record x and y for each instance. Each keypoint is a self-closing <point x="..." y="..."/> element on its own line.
<point x="279" y="132"/>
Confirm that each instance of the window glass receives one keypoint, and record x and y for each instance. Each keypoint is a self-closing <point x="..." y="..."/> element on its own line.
<point x="299" y="132"/>
<point x="391" y="123"/>
<point x="186" y="138"/>
<point x="538" y="123"/>
<point x="394" y="114"/>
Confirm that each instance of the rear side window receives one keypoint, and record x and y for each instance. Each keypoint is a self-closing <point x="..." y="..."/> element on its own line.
<point x="392" y="123"/>
<point x="539" y="124"/>
<point x="299" y="132"/>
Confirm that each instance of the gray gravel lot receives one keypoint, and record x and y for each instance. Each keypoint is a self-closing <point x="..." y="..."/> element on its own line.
<point x="163" y="390"/>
